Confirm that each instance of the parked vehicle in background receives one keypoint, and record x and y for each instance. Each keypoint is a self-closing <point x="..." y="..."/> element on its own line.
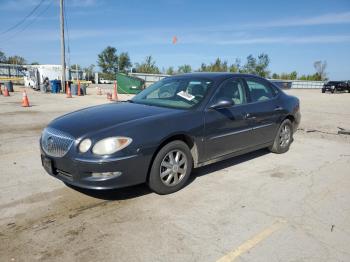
<point x="178" y="123"/>
<point x="104" y="81"/>
<point x="334" y="86"/>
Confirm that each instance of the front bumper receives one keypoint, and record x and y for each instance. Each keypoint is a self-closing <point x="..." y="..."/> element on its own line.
<point x="329" y="88"/>
<point x="78" y="172"/>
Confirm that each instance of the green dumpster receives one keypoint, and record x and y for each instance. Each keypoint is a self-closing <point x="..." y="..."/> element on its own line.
<point x="129" y="84"/>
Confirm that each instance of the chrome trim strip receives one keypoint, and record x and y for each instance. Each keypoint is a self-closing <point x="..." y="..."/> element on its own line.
<point x="261" y="126"/>
<point x="240" y="131"/>
<point x="231" y="133"/>
<point x="101" y="161"/>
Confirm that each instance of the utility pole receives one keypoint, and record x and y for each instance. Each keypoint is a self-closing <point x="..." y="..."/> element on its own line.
<point x="63" y="55"/>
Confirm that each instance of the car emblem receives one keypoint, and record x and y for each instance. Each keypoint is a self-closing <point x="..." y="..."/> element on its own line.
<point x="50" y="143"/>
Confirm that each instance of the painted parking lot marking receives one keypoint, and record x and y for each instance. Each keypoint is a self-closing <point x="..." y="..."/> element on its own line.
<point x="252" y="242"/>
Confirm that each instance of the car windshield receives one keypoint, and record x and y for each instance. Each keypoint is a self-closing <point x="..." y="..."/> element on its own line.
<point x="182" y="93"/>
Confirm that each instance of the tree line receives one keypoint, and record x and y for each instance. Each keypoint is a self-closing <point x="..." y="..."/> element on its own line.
<point x="110" y="62"/>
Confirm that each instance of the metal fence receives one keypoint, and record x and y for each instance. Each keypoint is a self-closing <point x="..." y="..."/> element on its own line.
<point x="295" y="84"/>
<point x="9" y="70"/>
<point x="285" y="84"/>
<point x="149" y="78"/>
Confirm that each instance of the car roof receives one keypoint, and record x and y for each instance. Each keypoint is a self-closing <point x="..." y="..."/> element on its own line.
<point x="213" y="75"/>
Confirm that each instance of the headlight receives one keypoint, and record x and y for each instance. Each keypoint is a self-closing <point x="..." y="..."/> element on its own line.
<point x="111" y="145"/>
<point x="85" y="145"/>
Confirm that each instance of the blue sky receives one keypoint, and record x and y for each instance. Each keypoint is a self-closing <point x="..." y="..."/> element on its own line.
<point x="293" y="33"/>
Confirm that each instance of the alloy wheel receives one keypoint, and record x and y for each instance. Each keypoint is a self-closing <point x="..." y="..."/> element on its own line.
<point x="285" y="135"/>
<point x="173" y="168"/>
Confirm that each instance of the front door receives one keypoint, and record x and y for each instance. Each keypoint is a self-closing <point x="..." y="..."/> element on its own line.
<point x="227" y="130"/>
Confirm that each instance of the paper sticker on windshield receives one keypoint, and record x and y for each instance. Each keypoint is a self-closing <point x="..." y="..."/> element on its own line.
<point x="185" y="95"/>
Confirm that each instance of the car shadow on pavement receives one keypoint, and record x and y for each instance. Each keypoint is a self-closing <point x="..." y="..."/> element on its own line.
<point x="115" y="194"/>
<point x="141" y="190"/>
<point x="205" y="170"/>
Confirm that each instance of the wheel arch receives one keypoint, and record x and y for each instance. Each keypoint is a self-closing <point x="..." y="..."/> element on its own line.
<point x="188" y="140"/>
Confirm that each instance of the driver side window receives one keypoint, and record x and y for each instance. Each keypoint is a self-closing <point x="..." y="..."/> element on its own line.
<point x="233" y="90"/>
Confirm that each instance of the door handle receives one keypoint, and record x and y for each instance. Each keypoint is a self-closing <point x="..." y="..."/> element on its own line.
<point x="249" y="116"/>
<point x="278" y="108"/>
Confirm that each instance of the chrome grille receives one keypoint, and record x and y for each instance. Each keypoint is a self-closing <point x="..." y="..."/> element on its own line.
<point x="55" y="142"/>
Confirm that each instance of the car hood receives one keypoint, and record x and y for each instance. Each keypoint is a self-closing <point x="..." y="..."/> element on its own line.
<point x="92" y="119"/>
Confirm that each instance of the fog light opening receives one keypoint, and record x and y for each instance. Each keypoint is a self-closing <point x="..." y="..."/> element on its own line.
<point x="106" y="174"/>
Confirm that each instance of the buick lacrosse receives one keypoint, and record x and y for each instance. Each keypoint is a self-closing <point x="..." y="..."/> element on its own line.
<point x="177" y="124"/>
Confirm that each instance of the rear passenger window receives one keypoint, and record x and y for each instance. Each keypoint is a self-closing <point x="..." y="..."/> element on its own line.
<point x="232" y="89"/>
<point x="259" y="91"/>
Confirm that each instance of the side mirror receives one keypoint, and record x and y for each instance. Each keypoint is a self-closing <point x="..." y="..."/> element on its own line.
<point x="222" y="103"/>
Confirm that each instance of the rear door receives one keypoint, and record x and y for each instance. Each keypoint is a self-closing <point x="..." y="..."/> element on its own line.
<point x="264" y="110"/>
<point x="227" y="130"/>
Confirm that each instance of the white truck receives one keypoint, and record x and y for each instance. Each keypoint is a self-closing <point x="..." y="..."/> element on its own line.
<point x="104" y="81"/>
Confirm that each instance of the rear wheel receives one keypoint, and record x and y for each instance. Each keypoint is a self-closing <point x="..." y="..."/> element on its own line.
<point x="283" y="138"/>
<point x="171" y="168"/>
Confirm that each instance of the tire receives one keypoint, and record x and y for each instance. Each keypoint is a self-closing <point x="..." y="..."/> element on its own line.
<point x="332" y="91"/>
<point x="175" y="172"/>
<point x="323" y="90"/>
<point x="282" y="143"/>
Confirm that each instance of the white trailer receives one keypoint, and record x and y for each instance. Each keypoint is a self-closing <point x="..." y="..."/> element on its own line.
<point x="36" y="74"/>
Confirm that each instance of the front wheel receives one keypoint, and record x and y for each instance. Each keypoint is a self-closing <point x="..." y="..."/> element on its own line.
<point x="283" y="138"/>
<point x="171" y="168"/>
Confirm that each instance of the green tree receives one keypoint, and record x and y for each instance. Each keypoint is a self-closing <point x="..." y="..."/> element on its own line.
<point x="124" y="62"/>
<point x="170" y="71"/>
<point x="148" y="66"/>
<point x="18" y="60"/>
<point x="217" y="66"/>
<point x="35" y="63"/>
<point x="203" y="68"/>
<point x="257" y="66"/>
<point x="3" y="58"/>
<point x="108" y="62"/>
<point x="184" y="69"/>
<point x="75" y="67"/>
<point x="262" y="65"/>
<point x="235" y="67"/>
<point x="250" y="66"/>
<point x="293" y="75"/>
<point x="275" y="76"/>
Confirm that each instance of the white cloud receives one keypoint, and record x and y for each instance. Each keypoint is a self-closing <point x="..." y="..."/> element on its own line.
<point x="83" y="3"/>
<point x="320" y="39"/>
<point x="325" y="19"/>
<point x="14" y="5"/>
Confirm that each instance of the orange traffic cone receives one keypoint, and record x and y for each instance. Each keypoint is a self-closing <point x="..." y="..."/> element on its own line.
<point x="79" y="91"/>
<point x="6" y="92"/>
<point x="69" y="94"/>
<point x="115" y="92"/>
<point x="25" y="101"/>
<point x="0" y="90"/>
